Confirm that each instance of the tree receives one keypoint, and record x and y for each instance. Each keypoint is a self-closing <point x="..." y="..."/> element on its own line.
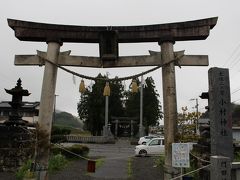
<point x="236" y="114"/>
<point x="187" y="127"/>
<point x="83" y="108"/>
<point x="116" y="99"/>
<point x="152" y="110"/>
<point x="91" y="107"/>
<point x="151" y="104"/>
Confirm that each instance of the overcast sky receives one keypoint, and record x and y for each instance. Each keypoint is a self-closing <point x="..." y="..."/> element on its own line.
<point x="222" y="46"/>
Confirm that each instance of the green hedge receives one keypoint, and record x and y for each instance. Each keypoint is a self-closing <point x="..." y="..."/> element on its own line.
<point x="58" y="138"/>
<point x="60" y="130"/>
<point x="58" y="134"/>
<point x="76" y="149"/>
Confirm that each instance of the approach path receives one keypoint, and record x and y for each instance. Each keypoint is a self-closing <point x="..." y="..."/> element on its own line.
<point x="116" y="158"/>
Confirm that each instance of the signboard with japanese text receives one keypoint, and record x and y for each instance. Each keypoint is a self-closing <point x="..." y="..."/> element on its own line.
<point x="180" y="155"/>
<point x="220" y="112"/>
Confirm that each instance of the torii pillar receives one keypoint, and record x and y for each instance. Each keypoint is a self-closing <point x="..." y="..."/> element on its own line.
<point x="169" y="103"/>
<point x="108" y="39"/>
<point x="46" y="107"/>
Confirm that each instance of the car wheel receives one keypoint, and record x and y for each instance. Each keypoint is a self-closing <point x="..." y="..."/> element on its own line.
<point x="142" y="152"/>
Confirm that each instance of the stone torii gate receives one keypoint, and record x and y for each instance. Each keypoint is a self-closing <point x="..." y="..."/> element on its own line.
<point x="108" y="38"/>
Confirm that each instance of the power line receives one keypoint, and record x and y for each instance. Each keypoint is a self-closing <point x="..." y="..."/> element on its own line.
<point x="235" y="63"/>
<point x="235" y="91"/>
<point x="234" y="74"/>
<point x="236" y="101"/>
<point x="232" y="54"/>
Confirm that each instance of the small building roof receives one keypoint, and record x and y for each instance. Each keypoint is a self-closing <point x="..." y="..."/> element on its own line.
<point x="27" y="105"/>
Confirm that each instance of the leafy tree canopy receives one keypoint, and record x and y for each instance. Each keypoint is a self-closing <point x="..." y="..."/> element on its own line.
<point x="187" y="126"/>
<point x="91" y="107"/>
<point x="151" y="104"/>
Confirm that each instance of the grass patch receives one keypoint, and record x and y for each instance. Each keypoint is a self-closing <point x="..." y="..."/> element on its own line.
<point x="56" y="163"/>
<point x="160" y="161"/>
<point x="99" y="162"/>
<point x="24" y="170"/>
<point x="78" y="149"/>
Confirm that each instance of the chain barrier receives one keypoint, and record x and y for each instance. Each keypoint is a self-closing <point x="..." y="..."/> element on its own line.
<point x="203" y="160"/>
<point x="61" y="147"/>
<point x="198" y="158"/>
<point x="191" y="172"/>
<point x="122" y="157"/>
<point x="85" y="158"/>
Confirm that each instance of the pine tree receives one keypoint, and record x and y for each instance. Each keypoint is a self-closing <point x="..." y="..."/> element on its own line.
<point x="152" y="107"/>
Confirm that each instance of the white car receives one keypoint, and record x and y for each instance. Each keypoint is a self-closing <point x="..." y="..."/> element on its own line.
<point x="145" y="139"/>
<point x="154" y="146"/>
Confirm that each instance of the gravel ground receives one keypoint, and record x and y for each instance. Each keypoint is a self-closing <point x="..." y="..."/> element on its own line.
<point x="143" y="168"/>
<point x="114" y="167"/>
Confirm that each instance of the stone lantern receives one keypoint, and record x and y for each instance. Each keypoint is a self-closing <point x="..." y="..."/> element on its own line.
<point x="15" y="118"/>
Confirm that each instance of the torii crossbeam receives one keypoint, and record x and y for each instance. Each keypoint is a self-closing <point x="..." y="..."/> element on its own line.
<point x="108" y="38"/>
<point x="154" y="59"/>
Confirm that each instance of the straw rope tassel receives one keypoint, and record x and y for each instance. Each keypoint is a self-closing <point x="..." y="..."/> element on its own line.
<point x="134" y="86"/>
<point x="106" y="91"/>
<point x="82" y="88"/>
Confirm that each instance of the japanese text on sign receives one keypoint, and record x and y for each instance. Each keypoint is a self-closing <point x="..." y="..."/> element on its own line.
<point x="180" y="155"/>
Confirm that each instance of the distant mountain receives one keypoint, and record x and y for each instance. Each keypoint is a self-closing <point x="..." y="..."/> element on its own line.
<point x="67" y="120"/>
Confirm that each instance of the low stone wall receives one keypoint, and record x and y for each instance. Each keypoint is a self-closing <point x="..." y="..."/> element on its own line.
<point x="89" y="139"/>
<point x="17" y="145"/>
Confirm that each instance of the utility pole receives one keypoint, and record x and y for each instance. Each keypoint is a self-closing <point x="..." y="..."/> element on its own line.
<point x="54" y="110"/>
<point x="196" y="120"/>
<point x="106" y="115"/>
<point x="141" y="109"/>
<point x="106" y="93"/>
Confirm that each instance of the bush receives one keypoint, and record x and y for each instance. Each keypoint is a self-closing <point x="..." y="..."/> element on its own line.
<point x="58" y="138"/>
<point x="60" y="130"/>
<point x="76" y="149"/>
<point x="56" y="163"/>
<point x="58" y="134"/>
<point x="237" y="156"/>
